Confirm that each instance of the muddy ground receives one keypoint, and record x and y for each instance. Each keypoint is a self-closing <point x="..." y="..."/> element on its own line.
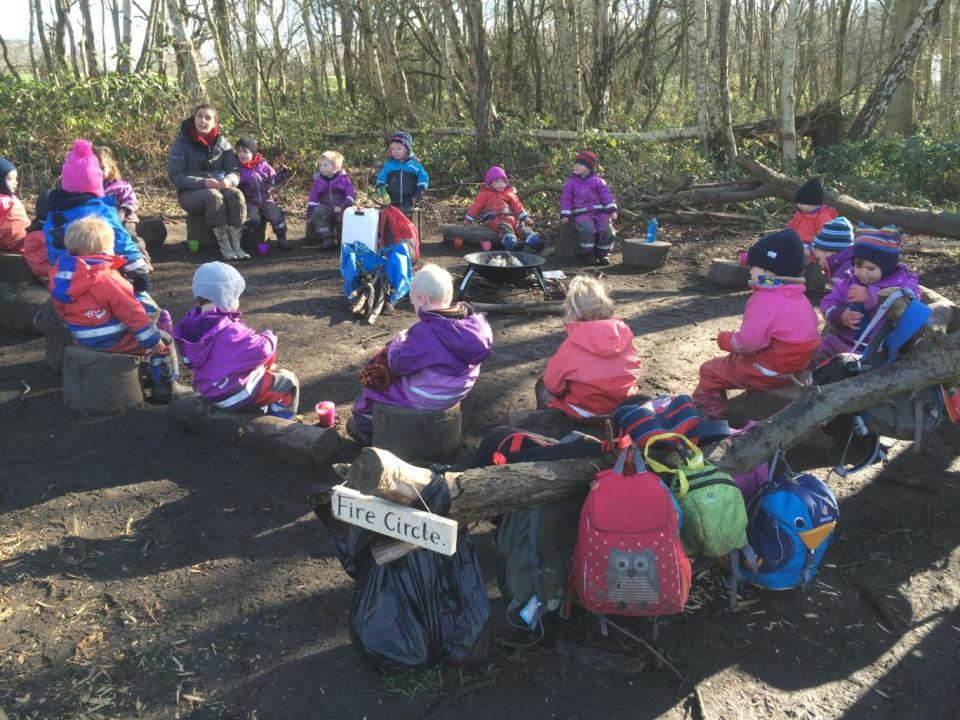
<point x="145" y="573"/>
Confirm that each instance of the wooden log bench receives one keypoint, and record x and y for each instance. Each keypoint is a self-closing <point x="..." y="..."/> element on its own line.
<point x="100" y="382"/>
<point x="730" y="273"/>
<point x="19" y="304"/>
<point x="471" y="235"/>
<point x="197" y="229"/>
<point x="15" y="271"/>
<point x="152" y="231"/>
<point x="307" y="446"/>
<point x="417" y="435"/>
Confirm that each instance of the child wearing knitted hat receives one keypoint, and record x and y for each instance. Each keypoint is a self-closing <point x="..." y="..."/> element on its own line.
<point x="778" y="334"/>
<point x="876" y="265"/>
<point x="811" y="214"/>
<point x="233" y="366"/>
<point x="402" y="180"/>
<point x="13" y="218"/>
<point x="833" y="247"/>
<point x="257" y="180"/>
<point x="587" y="201"/>
<point x="81" y="195"/>
<point x="498" y="206"/>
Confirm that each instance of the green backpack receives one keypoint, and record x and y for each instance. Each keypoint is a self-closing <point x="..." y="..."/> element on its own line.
<point x="714" y="513"/>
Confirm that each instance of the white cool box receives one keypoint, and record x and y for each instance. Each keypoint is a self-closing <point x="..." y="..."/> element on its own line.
<point x="361" y="225"/>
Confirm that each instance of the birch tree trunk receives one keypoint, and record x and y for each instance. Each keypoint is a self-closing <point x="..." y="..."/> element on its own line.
<point x="899" y="114"/>
<point x="126" y="39"/>
<point x="34" y="70"/>
<point x="788" y="133"/>
<point x="876" y="105"/>
<point x="189" y="60"/>
<point x="704" y="121"/>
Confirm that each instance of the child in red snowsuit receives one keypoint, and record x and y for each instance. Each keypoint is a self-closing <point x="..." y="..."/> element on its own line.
<point x="778" y="335"/>
<point x="811" y="213"/>
<point x="498" y="206"/>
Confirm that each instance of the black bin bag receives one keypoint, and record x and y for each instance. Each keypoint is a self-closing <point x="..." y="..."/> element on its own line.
<point x="418" y="611"/>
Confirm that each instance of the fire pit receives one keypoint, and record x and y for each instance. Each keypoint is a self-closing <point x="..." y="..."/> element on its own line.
<point x="502" y="267"/>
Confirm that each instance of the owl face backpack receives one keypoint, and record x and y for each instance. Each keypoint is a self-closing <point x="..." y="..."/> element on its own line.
<point x="791" y="523"/>
<point x="628" y="559"/>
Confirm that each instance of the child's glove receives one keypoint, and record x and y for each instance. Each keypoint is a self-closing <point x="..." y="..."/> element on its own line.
<point x="724" y="341"/>
<point x="418" y="193"/>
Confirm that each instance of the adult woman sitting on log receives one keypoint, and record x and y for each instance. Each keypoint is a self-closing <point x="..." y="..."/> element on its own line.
<point x="205" y="172"/>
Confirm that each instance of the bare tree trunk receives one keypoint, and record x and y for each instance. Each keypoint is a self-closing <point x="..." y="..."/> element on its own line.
<point x="396" y="77"/>
<point x="788" y="133"/>
<point x="48" y="59"/>
<point x="279" y="51"/>
<point x="346" y="43"/>
<point x="59" y="35"/>
<point x="569" y="61"/>
<point x="187" y="53"/>
<point x="747" y="69"/>
<point x="726" y="129"/>
<point x="73" y="44"/>
<point x="898" y="69"/>
<point x="864" y="38"/>
<point x="508" y="55"/>
<point x="89" y="40"/>
<point x="899" y="114"/>
<point x="954" y="67"/>
<point x="947" y="68"/>
<point x="253" y="59"/>
<point x="34" y="70"/>
<point x="127" y="38"/>
<point x="603" y="59"/>
<point x="307" y="17"/>
<point x="6" y="59"/>
<point x="841" y="47"/>
<point x="704" y="121"/>
<point x="483" y="110"/>
<point x="146" y="49"/>
<point x="374" y="73"/>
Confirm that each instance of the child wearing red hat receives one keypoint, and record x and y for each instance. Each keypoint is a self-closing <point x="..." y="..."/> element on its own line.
<point x="587" y="200"/>
<point x="498" y="206"/>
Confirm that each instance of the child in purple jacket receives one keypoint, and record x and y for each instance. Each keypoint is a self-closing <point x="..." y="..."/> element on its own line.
<point x="257" y="179"/>
<point x="123" y="196"/>
<point x="331" y="194"/>
<point x="588" y="201"/>
<point x="848" y="308"/>
<point x="433" y="364"/>
<point x="233" y="366"/>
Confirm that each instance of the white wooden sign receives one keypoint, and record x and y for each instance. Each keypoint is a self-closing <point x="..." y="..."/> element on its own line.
<point x="398" y="521"/>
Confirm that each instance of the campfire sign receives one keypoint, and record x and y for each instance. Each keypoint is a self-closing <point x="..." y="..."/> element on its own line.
<point x="417" y="527"/>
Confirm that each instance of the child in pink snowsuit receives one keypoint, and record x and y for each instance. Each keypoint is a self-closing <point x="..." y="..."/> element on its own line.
<point x="778" y="334"/>
<point x="587" y="200"/>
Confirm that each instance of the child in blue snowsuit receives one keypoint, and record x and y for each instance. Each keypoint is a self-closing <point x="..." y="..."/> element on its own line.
<point x="402" y="175"/>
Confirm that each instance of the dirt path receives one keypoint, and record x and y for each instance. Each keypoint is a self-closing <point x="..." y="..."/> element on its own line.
<point x="145" y="573"/>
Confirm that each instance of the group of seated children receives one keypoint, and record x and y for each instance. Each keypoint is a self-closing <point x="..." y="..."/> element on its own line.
<point x="586" y="200"/>
<point x="99" y="279"/>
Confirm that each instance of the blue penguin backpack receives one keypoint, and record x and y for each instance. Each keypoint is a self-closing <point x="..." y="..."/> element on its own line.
<point x="791" y="522"/>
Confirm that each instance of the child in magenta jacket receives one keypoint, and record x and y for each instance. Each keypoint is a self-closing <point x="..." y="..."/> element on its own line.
<point x="597" y="366"/>
<point x="498" y="206"/>
<point x="233" y="365"/>
<point x="876" y="265"/>
<point x="778" y="334"/>
<point x="586" y="199"/>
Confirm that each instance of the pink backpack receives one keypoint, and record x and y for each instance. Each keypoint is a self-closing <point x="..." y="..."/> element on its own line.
<point x="628" y="559"/>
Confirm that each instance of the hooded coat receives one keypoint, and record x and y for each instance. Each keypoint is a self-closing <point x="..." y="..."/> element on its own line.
<point x="189" y="162"/>
<point x="808" y="224"/>
<point x="98" y="305"/>
<point x="330" y="192"/>
<point x="437" y="360"/>
<point x="256" y="181"/>
<point x="228" y="358"/>
<point x="125" y="199"/>
<point x="494" y="207"/>
<point x="594" y="369"/>
<point x="13" y="223"/>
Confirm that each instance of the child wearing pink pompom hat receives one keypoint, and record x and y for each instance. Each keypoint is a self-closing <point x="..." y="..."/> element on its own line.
<point x="81" y="195"/>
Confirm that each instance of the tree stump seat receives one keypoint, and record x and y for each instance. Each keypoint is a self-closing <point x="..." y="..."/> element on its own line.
<point x="417" y="435"/>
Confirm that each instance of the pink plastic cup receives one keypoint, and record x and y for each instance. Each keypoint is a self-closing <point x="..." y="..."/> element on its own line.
<point x="326" y="413"/>
<point x="263" y="248"/>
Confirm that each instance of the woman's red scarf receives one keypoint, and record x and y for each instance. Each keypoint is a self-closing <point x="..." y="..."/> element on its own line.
<point x="208" y="139"/>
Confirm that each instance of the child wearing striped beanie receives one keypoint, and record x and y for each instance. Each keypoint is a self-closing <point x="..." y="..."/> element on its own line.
<point x="855" y="296"/>
<point x="833" y="247"/>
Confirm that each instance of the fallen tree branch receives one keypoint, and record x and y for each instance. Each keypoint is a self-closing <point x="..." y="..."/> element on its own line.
<point x="544" y="307"/>
<point x="939" y="362"/>
<point x="912" y="220"/>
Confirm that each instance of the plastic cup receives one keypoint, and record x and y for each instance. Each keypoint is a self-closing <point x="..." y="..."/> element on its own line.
<point x="486" y="245"/>
<point x="326" y="413"/>
<point x="193" y="246"/>
<point x="263" y="248"/>
<point x="458" y="243"/>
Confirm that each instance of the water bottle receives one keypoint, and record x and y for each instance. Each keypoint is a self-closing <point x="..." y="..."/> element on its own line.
<point x="652" y="230"/>
<point x="859" y="307"/>
<point x="165" y="322"/>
